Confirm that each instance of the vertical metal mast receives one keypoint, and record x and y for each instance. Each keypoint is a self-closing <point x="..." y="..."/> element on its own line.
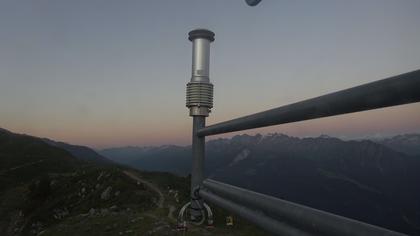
<point x="199" y="101"/>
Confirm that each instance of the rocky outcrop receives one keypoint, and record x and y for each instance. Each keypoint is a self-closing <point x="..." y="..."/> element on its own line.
<point x="106" y="194"/>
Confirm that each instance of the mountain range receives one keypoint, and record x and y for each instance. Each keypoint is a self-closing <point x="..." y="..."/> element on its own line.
<point x="80" y="152"/>
<point x="406" y="143"/>
<point x="53" y="188"/>
<point x="374" y="181"/>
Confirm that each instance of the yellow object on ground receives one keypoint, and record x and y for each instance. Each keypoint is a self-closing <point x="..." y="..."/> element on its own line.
<point x="229" y="221"/>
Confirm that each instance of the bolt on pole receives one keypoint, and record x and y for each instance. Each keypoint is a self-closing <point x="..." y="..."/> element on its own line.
<point x="199" y="101"/>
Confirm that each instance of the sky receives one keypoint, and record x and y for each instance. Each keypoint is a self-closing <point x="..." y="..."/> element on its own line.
<point x="113" y="73"/>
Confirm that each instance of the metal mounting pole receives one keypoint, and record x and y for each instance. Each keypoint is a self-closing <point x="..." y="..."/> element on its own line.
<point x="199" y="101"/>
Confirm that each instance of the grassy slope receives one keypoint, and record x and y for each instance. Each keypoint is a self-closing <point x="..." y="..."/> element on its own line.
<point x="153" y="221"/>
<point x="45" y="190"/>
<point x="24" y="157"/>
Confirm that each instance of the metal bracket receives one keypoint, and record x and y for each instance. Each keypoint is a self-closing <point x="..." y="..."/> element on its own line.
<point x="205" y="210"/>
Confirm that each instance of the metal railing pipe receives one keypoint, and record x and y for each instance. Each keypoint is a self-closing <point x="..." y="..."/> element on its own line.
<point x="269" y="224"/>
<point x="397" y="90"/>
<point x="306" y="218"/>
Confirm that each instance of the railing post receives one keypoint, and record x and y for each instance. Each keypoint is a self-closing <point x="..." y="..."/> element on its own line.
<point x="199" y="101"/>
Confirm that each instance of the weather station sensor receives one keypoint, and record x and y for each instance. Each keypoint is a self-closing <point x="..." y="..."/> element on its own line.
<point x="199" y="89"/>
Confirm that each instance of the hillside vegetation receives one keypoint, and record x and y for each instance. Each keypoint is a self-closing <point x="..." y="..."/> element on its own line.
<point x="46" y="190"/>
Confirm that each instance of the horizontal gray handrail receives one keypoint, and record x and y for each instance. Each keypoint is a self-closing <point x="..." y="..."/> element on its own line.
<point x="271" y="225"/>
<point x="397" y="90"/>
<point x="302" y="217"/>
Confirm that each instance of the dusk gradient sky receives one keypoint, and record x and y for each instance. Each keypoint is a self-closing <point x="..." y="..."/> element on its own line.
<point x="113" y="73"/>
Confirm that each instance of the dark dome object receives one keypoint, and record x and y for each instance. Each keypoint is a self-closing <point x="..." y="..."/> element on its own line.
<point x="201" y="33"/>
<point x="252" y="2"/>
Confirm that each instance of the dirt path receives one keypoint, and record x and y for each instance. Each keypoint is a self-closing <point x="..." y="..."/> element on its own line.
<point x="148" y="184"/>
<point x="172" y="209"/>
<point x="21" y="166"/>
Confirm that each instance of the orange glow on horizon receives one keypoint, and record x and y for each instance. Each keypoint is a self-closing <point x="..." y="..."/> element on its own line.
<point x="387" y="121"/>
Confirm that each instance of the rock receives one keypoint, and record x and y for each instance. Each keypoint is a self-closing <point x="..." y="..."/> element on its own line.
<point x="92" y="211"/>
<point x="113" y="208"/>
<point x="41" y="233"/>
<point x="107" y="193"/>
<point x="104" y="211"/>
<point x="83" y="190"/>
<point x="117" y="193"/>
<point x="53" y="182"/>
<point x="100" y="176"/>
<point x="136" y="219"/>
